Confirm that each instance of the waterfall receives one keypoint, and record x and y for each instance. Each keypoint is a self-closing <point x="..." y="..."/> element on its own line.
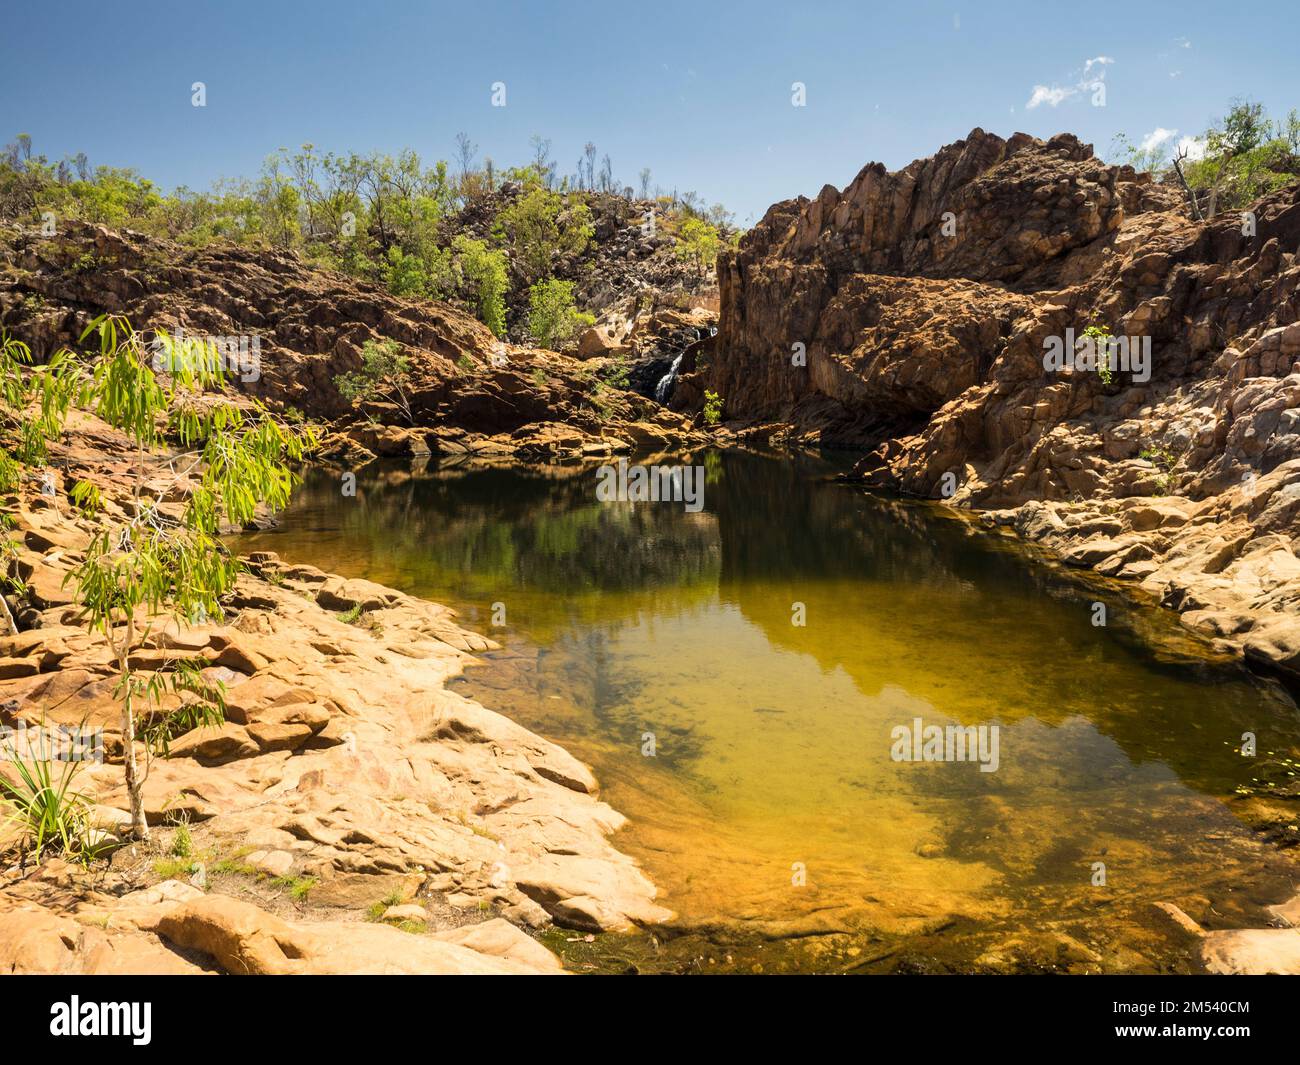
<point x="665" y="385"/>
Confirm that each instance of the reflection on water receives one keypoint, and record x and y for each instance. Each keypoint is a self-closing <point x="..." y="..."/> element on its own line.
<point x="770" y="811"/>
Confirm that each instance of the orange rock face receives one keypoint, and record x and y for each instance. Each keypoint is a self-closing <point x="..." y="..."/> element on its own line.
<point x="910" y="315"/>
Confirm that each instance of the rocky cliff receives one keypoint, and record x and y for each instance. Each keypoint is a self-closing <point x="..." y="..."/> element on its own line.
<point x="910" y="314"/>
<point x="468" y="391"/>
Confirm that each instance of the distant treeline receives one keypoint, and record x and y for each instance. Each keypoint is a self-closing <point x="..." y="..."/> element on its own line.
<point x="472" y="234"/>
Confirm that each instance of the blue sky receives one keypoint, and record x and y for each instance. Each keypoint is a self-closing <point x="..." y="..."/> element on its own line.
<point x="699" y="92"/>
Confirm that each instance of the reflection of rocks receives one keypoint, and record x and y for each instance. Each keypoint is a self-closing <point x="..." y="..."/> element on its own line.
<point x="1141" y="735"/>
<point x="537" y="442"/>
<point x="541" y="526"/>
<point x="1226" y="564"/>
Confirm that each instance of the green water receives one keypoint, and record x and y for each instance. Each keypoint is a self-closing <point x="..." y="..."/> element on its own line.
<point x="771" y="814"/>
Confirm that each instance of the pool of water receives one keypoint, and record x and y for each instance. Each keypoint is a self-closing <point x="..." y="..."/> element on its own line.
<point x="740" y="677"/>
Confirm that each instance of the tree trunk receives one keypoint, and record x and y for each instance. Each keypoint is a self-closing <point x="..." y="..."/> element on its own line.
<point x="7" y="617"/>
<point x="134" y="785"/>
<point x="1213" y="208"/>
<point x="1191" y="196"/>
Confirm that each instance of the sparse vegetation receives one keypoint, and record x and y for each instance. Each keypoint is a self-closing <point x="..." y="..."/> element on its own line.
<point x="1166" y="462"/>
<point x="1239" y="158"/>
<point x="712" y="407"/>
<point x="233" y="866"/>
<point x="182" y="842"/>
<point x="617" y="372"/>
<point x="1101" y="342"/>
<point x="171" y="868"/>
<point x="351" y="615"/>
<point x="298" y="887"/>
<point x="385" y="373"/>
<point x="540" y="227"/>
<point x="698" y="241"/>
<point x="468" y="233"/>
<point x="376" y="910"/>
<point x="49" y="815"/>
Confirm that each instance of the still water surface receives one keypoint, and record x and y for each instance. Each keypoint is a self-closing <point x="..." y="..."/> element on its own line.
<point x="772" y="815"/>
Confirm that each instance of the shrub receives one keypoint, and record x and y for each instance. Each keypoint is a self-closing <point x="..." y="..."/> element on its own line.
<point x="182" y="842"/>
<point x="539" y="228"/>
<point x="48" y="814"/>
<point x="1101" y="343"/>
<point x="712" y="407"/>
<point x="698" y="241"/>
<point x="617" y="373"/>
<point x="385" y="372"/>
<point x="486" y="275"/>
<point x="406" y="275"/>
<point x="552" y="317"/>
<point x="1244" y="156"/>
<point x="1164" y="460"/>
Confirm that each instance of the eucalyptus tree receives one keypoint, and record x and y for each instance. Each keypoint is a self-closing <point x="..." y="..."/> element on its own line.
<point x="200" y="463"/>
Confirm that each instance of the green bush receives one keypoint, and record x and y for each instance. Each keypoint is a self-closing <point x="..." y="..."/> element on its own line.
<point x="552" y="317"/>
<point x="486" y="275"/>
<point x="386" y="219"/>
<point x="1101" y="341"/>
<point x="698" y="241"/>
<point x="539" y="228"/>
<point x="49" y="816"/>
<point x="1246" y="155"/>
<point x="385" y="373"/>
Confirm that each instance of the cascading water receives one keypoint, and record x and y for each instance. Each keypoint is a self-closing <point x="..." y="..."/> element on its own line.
<point x="665" y="386"/>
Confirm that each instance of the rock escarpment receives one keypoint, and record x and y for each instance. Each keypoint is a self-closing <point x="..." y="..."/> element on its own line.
<point x="468" y="391"/>
<point x="909" y="316"/>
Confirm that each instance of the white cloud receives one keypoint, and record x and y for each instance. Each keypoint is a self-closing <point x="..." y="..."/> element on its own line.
<point x="1193" y="146"/>
<point x="1182" y="42"/>
<point x="1157" y="137"/>
<point x="1094" y="71"/>
<point x="1053" y="96"/>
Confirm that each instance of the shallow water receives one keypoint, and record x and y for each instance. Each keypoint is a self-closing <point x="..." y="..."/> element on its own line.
<point x="772" y="813"/>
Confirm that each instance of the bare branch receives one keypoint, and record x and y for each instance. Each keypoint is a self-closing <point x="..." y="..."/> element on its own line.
<point x="1182" y="178"/>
